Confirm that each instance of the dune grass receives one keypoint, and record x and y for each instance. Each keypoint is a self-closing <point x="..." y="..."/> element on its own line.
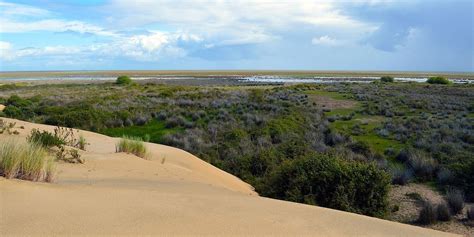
<point x="132" y="145"/>
<point x="24" y="160"/>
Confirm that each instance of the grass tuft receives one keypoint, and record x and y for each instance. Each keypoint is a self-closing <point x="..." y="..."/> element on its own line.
<point x="132" y="145"/>
<point x="23" y="160"/>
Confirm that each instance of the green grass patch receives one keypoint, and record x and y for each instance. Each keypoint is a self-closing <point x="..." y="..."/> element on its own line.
<point x="368" y="124"/>
<point x="154" y="129"/>
<point x="330" y="94"/>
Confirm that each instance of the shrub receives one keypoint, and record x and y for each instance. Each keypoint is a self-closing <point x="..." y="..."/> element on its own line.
<point x="444" y="176"/>
<point x="13" y="112"/>
<point x="175" y="121"/>
<point x="443" y="212"/>
<point x="470" y="213"/>
<point x="45" y="138"/>
<point x="428" y="214"/>
<point x="438" y="80"/>
<point x="330" y="182"/>
<point x="9" y="128"/>
<point x="132" y="145"/>
<point x="25" y="160"/>
<point x="360" y="147"/>
<point x="387" y="79"/>
<point x="401" y="176"/>
<point x="455" y="199"/>
<point x="17" y="101"/>
<point x="423" y="166"/>
<point x="123" y="80"/>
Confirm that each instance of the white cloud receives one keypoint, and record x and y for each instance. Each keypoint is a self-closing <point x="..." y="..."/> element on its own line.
<point x="18" y="18"/>
<point x="325" y="40"/>
<point x="13" y="9"/>
<point x="239" y="21"/>
<point x="53" y="25"/>
<point x="149" y="47"/>
<point x="5" y="50"/>
<point x="146" y="47"/>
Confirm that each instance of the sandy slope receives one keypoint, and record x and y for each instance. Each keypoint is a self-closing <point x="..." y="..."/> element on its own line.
<point x="173" y="193"/>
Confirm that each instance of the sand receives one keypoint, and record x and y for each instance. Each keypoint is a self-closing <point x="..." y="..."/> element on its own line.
<point x="2" y="107"/>
<point x="173" y="193"/>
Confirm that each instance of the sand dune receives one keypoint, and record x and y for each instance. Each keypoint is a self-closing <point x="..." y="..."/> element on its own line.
<point x="173" y="193"/>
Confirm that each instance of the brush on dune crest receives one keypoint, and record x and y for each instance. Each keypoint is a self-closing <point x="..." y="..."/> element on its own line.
<point x="132" y="145"/>
<point x="24" y="160"/>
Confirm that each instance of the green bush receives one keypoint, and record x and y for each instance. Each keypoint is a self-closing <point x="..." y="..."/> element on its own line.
<point x="132" y="145"/>
<point x="386" y="79"/>
<point x="438" y="80"/>
<point x="18" y="101"/>
<point x="13" y="112"/>
<point x="45" y="138"/>
<point x="123" y="80"/>
<point x="331" y="182"/>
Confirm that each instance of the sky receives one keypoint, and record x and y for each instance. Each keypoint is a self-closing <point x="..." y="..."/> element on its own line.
<point x="393" y="35"/>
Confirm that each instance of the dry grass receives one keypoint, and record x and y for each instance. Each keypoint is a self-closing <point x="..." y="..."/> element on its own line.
<point x="23" y="160"/>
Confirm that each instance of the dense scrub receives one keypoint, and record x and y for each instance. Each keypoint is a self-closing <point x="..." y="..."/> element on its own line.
<point x="255" y="133"/>
<point x="279" y="139"/>
<point x="427" y="128"/>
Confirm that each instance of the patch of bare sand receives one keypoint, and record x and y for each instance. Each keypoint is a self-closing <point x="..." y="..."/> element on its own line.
<point x="174" y="193"/>
<point x="2" y="107"/>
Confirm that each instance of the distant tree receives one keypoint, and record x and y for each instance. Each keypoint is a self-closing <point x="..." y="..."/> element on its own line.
<point x="123" y="80"/>
<point x="386" y="79"/>
<point x="438" y="80"/>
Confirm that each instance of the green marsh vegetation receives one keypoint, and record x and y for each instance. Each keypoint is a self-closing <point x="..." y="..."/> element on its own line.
<point x="438" y="80"/>
<point x="284" y="139"/>
<point x="387" y="79"/>
<point x="123" y="80"/>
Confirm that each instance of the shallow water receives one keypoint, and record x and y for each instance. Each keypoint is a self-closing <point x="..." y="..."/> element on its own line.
<point x="336" y="79"/>
<point x="254" y="79"/>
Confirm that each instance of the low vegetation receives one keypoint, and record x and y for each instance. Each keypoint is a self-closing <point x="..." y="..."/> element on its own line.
<point x="123" y="80"/>
<point x="133" y="145"/>
<point x="58" y="140"/>
<point x="331" y="182"/>
<point x="455" y="199"/>
<point x="387" y="79"/>
<point x="281" y="138"/>
<point x="8" y="128"/>
<point x="438" y="80"/>
<point x="443" y="212"/>
<point x="25" y="160"/>
<point x="428" y="214"/>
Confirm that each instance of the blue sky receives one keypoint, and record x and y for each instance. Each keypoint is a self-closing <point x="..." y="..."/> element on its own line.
<point x="404" y="35"/>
